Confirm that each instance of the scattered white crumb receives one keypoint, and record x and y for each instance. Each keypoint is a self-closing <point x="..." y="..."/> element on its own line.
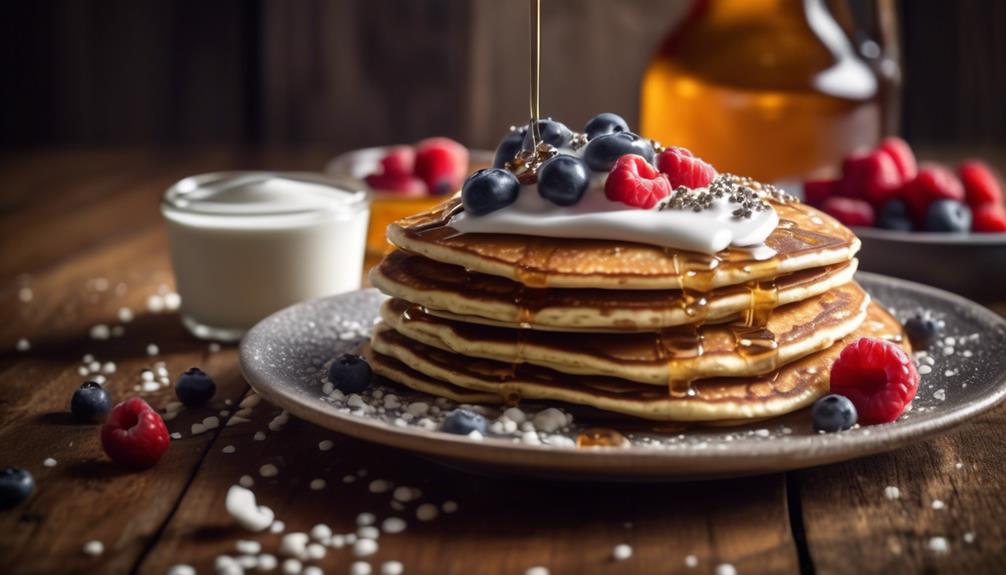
<point x="379" y="486"/>
<point x="291" y="567"/>
<point x="427" y="512"/>
<point x="940" y="394"/>
<point x="925" y="370"/>
<point x="691" y="561"/>
<point x="959" y="465"/>
<point x="325" y="444"/>
<point x="259" y="436"/>
<point x="152" y="349"/>
<point x="969" y="537"/>
<point x="393" y="525"/>
<point x="267" y="562"/>
<point x="246" y="481"/>
<point x="176" y="435"/>
<point x="364" y="519"/>
<point x="49" y="462"/>
<point x="229" y="449"/>
<point x="394" y="568"/>
<point x="537" y="570"/>
<point x="93" y="548"/>
<point x="892" y="492"/>
<point x="100" y="331"/>
<point x="449" y="506"/>
<point x="25" y="294"/>
<point x="248" y="547"/>
<point x="181" y="570"/>
<point x="22" y="345"/>
<point x="242" y="507"/>
<point x="621" y="552"/>
<point x="268" y="470"/>
<point x="725" y="569"/>
<point x="277" y="527"/>
<point x="317" y="484"/>
<point x="294" y="545"/>
<point x="938" y="545"/>
<point x="364" y="547"/>
<point x="937" y="504"/>
<point x="359" y="568"/>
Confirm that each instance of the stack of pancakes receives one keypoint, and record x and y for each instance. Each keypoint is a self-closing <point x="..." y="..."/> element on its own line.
<point x="623" y="327"/>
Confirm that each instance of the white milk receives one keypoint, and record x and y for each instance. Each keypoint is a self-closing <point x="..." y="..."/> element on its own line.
<point x="246" y="244"/>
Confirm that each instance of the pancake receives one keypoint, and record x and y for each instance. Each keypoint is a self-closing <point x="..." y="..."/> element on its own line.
<point x="725" y="399"/>
<point x="805" y="238"/>
<point x="452" y="292"/>
<point x="655" y="358"/>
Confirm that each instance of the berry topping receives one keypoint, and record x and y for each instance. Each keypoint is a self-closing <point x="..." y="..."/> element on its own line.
<point x="398" y="161"/>
<point x="488" y="190"/>
<point x="552" y="133"/>
<point x="405" y="185"/>
<point x="350" y="373"/>
<point x="509" y="147"/>
<point x="894" y="216"/>
<point x="606" y="123"/>
<point x="134" y="434"/>
<point x="932" y="183"/>
<point x="980" y="184"/>
<point x="563" y="179"/>
<point x="603" y="151"/>
<point x="464" y="421"/>
<point x="877" y="376"/>
<point x="922" y="330"/>
<point x="684" y="169"/>
<point x="873" y="177"/>
<point x="635" y="182"/>
<point x="90" y="403"/>
<point x="901" y="153"/>
<point x="833" y="413"/>
<point x="194" y="387"/>
<point x="948" y="216"/>
<point x="990" y="218"/>
<point x="815" y="192"/>
<point x="441" y="163"/>
<point x="16" y="486"/>
<point x="849" y="211"/>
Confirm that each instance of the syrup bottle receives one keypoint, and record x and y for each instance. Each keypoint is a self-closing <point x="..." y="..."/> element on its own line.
<point x="771" y="89"/>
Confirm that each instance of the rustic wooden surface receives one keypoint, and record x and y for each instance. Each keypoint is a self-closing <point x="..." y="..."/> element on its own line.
<point x="83" y="232"/>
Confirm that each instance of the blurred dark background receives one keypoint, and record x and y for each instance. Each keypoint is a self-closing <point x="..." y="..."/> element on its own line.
<point x="351" y="73"/>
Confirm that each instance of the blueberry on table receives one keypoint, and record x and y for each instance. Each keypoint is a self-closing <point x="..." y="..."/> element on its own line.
<point x="464" y="421"/>
<point x="948" y="216"/>
<point x="606" y="123"/>
<point x="894" y="216"/>
<point x="350" y="373"/>
<point x="563" y="179"/>
<point x="552" y="133"/>
<point x="603" y="151"/>
<point x="833" y="413"/>
<point x="16" y="485"/>
<point x="194" y="387"/>
<point x="921" y="330"/>
<point x="90" y="402"/>
<point x="488" y="190"/>
<point x="509" y="147"/>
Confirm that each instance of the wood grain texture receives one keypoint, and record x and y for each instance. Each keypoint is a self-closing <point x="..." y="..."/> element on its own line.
<point x="101" y="223"/>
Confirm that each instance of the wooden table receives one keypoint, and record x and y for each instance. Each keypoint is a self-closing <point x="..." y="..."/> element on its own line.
<point x="82" y="232"/>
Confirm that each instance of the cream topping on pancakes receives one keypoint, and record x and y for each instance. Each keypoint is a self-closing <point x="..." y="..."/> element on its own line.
<point x="707" y="231"/>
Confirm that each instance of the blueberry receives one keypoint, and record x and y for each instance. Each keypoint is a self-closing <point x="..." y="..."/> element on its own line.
<point x="833" y="413"/>
<point x="602" y="152"/>
<point x="194" y="387"/>
<point x="90" y="403"/>
<point x="948" y="216"/>
<point x="15" y="486"/>
<point x="464" y="421"/>
<point x="552" y="133"/>
<point x="921" y="330"/>
<point x="509" y="147"/>
<point x="894" y="216"/>
<point x="488" y="190"/>
<point x="606" y="123"/>
<point x="349" y="373"/>
<point x="563" y="179"/>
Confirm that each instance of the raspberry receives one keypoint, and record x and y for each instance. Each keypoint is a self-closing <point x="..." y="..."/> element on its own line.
<point x="873" y="177"/>
<point x="849" y="211"/>
<point x="877" y="376"/>
<point x="134" y="434"/>
<point x="901" y="153"/>
<point x="989" y="218"/>
<point x="398" y="161"/>
<point x="684" y="169"/>
<point x="442" y="164"/>
<point x="932" y="183"/>
<point x="815" y="192"/>
<point x="408" y="186"/>
<point x="633" y="181"/>
<point x="980" y="184"/>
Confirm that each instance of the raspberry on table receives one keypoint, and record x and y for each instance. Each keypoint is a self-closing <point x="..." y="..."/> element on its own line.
<point x="134" y="434"/>
<point x="849" y="211"/>
<point x="990" y="218"/>
<point x="878" y="377"/>
<point x="981" y="186"/>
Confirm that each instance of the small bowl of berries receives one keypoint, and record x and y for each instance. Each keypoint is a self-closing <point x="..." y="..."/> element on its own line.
<point x="407" y="179"/>
<point x="932" y="223"/>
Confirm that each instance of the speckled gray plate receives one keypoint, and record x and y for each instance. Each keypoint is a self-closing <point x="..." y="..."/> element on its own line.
<point x="284" y="359"/>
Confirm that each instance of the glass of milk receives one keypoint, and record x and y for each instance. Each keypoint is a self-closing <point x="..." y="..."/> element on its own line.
<point x="247" y="244"/>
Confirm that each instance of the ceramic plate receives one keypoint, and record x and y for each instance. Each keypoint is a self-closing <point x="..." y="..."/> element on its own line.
<point x="284" y="358"/>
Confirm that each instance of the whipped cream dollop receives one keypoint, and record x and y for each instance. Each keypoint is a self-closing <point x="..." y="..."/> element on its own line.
<point x="713" y="228"/>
